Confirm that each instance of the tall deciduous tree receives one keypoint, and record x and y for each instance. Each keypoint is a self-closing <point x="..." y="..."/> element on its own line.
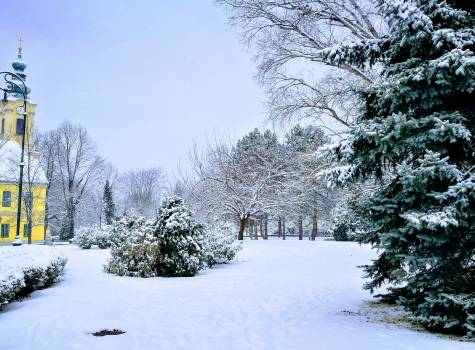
<point x="77" y="165"/>
<point x="288" y="37"/>
<point x="47" y="150"/>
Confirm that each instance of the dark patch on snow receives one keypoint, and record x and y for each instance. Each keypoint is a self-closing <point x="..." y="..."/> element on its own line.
<point x="105" y="332"/>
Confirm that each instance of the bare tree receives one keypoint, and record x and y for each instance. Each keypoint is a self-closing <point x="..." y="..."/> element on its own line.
<point x="77" y="166"/>
<point x="47" y="150"/>
<point x="289" y="37"/>
<point x="34" y="175"/>
<point x="142" y="190"/>
<point x="240" y="186"/>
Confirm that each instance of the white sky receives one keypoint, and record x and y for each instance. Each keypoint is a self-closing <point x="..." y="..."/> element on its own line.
<point x="146" y="78"/>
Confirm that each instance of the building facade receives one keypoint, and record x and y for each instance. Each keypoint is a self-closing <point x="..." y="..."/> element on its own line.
<point x="32" y="227"/>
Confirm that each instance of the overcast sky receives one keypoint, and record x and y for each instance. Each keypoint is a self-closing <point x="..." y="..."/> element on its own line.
<point x="145" y="77"/>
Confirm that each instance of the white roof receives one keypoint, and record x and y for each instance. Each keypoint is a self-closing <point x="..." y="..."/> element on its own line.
<point x="10" y="152"/>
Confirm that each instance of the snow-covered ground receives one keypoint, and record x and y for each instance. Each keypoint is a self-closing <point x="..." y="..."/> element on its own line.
<point x="27" y="266"/>
<point x="13" y="260"/>
<point x="280" y="295"/>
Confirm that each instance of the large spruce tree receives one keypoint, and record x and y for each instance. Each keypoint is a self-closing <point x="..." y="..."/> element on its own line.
<point x="416" y="132"/>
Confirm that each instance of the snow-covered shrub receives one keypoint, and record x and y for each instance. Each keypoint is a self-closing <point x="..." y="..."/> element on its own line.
<point x="84" y="237"/>
<point x="103" y="237"/>
<point x="221" y="245"/>
<point x="27" y="268"/>
<point x="173" y="245"/>
<point x="181" y="241"/>
<point x="344" y="224"/>
<point x="134" y="248"/>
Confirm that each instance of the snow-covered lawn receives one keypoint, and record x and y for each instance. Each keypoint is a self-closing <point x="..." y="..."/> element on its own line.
<point x="280" y="295"/>
<point x="27" y="268"/>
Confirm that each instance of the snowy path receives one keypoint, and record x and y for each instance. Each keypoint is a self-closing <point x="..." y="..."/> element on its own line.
<point x="281" y="295"/>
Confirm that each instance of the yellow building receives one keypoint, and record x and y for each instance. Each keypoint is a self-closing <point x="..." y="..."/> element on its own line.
<point x="34" y="185"/>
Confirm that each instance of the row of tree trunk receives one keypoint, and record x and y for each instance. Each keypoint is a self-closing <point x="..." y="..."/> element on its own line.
<point x="259" y="227"/>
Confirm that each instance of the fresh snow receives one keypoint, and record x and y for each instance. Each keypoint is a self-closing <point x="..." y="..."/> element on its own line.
<point x="14" y="260"/>
<point x="278" y="295"/>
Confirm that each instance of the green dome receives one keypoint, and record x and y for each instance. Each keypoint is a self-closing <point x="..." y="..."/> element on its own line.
<point x="19" y="69"/>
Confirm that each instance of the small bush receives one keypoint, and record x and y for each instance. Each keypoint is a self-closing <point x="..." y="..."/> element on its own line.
<point x="103" y="237"/>
<point x="341" y="232"/>
<point x="27" y="269"/>
<point x="221" y="245"/>
<point x="346" y="223"/>
<point x="86" y="237"/>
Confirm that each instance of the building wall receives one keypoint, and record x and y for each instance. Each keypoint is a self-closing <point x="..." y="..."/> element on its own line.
<point x="8" y="214"/>
<point x="9" y="116"/>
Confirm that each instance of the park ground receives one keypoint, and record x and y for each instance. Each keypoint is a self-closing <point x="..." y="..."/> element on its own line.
<point x="277" y="295"/>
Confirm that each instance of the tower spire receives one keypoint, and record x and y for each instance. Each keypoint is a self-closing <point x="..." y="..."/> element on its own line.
<point x="20" y="46"/>
<point x="19" y="68"/>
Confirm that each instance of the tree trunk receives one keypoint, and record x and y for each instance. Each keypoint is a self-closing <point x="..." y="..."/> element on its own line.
<point x="283" y="228"/>
<point x="314" y="224"/>
<point x="46" y="218"/>
<point x="265" y="228"/>
<point x="30" y="228"/>
<point x="279" y="227"/>
<point x="256" y="236"/>
<point x="300" y="228"/>
<point x="261" y="227"/>
<point x="242" y="227"/>
<point x="67" y="229"/>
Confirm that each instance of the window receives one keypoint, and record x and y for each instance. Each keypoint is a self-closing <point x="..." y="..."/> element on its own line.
<point x="26" y="230"/>
<point x="5" y="230"/>
<point x="19" y="126"/>
<point x="7" y="199"/>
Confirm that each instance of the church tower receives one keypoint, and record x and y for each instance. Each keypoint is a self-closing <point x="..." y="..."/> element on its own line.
<point x="11" y="122"/>
<point x="32" y="223"/>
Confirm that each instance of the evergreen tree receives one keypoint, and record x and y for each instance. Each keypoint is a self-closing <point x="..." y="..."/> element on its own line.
<point x="108" y="204"/>
<point x="416" y="129"/>
<point x="181" y="241"/>
<point x="305" y="139"/>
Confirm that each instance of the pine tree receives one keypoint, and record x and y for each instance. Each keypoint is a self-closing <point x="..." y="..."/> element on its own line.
<point x="108" y="204"/>
<point x="416" y="130"/>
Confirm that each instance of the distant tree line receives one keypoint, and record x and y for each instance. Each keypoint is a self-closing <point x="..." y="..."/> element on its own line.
<point x="84" y="189"/>
<point x="261" y="179"/>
